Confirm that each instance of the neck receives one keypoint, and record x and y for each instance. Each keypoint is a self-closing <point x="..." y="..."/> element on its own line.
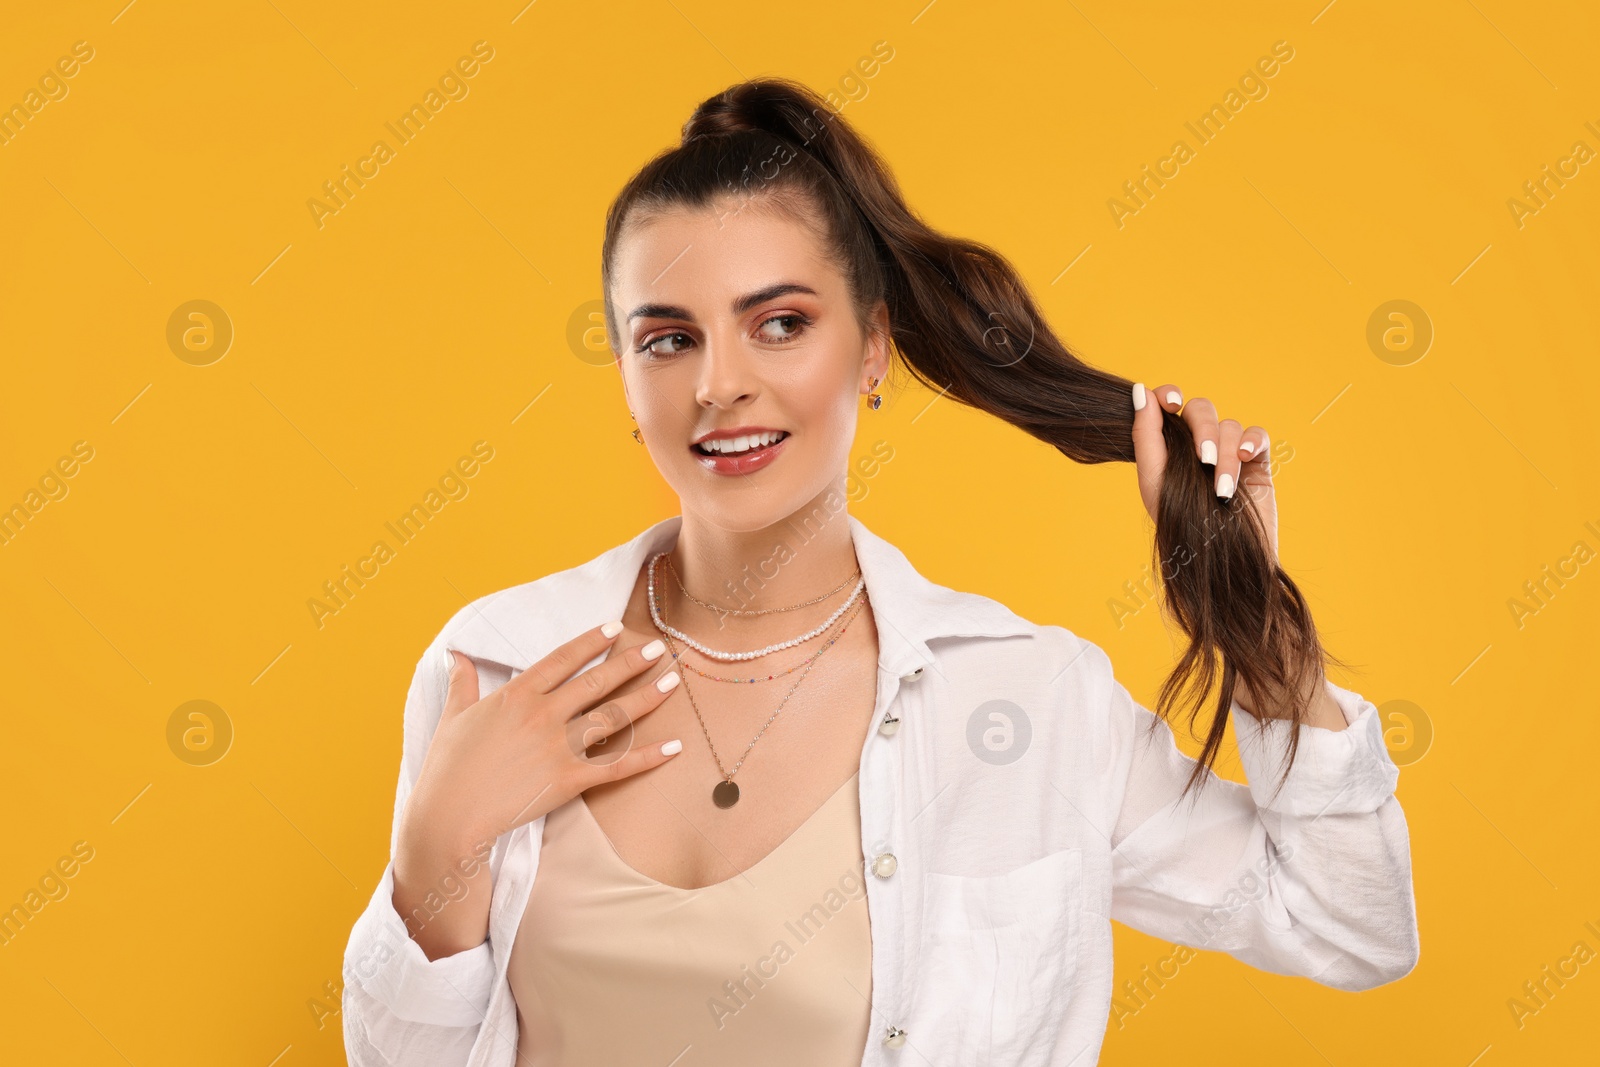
<point x="797" y="558"/>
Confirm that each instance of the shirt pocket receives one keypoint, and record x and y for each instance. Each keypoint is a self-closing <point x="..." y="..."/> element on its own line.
<point x="999" y="958"/>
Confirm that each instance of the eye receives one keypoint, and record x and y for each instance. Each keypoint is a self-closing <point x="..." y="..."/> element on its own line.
<point x="797" y="323"/>
<point x="650" y="348"/>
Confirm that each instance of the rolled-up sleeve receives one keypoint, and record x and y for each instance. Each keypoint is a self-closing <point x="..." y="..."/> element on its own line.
<point x="400" y="1008"/>
<point x="1310" y="879"/>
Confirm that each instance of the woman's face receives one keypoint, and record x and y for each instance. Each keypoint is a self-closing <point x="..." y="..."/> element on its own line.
<point x="742" y="359"/>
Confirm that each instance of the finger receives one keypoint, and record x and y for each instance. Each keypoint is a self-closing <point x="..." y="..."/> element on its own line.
<point x="1149" y="445"/>
<point x="1201" y="415"/>
<point x="558" y="666"/>
<point x="596" y="683"/>
<point x="1229" y="433"/>
<point x="462" y="689"/>
<point x="1253" y="444"/>
<point x="635" y="760"/>
<point x="601" y="726"/>
<point x="1255" y="474"/>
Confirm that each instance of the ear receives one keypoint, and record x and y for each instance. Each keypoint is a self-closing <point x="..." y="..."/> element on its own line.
<point x="876" y="364"/>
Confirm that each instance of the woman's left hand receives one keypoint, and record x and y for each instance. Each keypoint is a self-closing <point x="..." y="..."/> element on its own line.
<point x="1238" y="456"/>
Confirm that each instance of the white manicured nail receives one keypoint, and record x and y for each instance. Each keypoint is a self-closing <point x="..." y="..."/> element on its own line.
<point x="1225" y="486"/>
<point x="670" y="748"/>
<point x="1208" y="452"/>
<point x="1174" y="398"/>
<point x="668" y="682"/>
<point x="611" y="629"/>
<point x="653" y="650"/>
<point x="1138" y="396"/>
<point x="1249" y="446"/>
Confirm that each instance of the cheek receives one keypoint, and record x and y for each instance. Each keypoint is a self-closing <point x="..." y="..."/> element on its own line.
<point x="819" y="388"/>
<point x="661" y="394"/>
<point x="826" y="412"/>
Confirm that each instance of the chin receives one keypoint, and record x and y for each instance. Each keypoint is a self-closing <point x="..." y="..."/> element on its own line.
<point x="791" y="485"/>
<point x="742" y="505"/>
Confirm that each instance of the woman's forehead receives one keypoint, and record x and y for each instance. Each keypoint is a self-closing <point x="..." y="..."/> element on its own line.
<point x="704" y="257"/>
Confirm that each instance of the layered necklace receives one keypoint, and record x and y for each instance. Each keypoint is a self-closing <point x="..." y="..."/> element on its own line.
<point x="726" y="792"/>
<point x="661" y="623"/>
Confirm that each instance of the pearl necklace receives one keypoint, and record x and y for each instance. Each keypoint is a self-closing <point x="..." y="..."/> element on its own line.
<point x="660" y="623"/>
<point x="678" y="657"/>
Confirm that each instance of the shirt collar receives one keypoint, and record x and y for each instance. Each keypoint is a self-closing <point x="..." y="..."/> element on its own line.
<point x="521" y="624"/>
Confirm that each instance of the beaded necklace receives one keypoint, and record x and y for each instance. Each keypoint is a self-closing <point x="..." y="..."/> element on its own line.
<point x="661" y="624"/>
<point x="672" y="648"/>
<point x="726" y="792"/>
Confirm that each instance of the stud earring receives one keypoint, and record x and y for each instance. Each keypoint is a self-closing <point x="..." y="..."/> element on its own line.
<point x="874" y="401"/>
<point x="636" y="435"/>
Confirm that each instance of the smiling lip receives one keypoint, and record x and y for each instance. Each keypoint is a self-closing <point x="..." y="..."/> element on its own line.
<point x="745" y="462"/>
<point x="734" y="431"/>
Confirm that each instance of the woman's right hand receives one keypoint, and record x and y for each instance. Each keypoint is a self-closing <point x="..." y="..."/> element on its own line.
<point x="502" y="761"/>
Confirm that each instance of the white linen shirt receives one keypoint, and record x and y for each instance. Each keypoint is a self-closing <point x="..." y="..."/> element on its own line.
<point x="991" y="934"/>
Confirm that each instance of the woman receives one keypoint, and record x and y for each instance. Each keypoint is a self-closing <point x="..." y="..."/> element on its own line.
<point x="788" y="801"/>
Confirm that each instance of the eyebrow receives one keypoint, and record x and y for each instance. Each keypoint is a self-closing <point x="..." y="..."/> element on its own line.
<point x="740" y="306"/>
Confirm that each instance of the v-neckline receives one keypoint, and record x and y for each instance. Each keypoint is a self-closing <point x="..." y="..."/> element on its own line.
<point x="599" y="830"/>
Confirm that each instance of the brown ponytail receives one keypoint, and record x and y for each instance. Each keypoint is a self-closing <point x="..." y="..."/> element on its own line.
<point x="967" y="327"/>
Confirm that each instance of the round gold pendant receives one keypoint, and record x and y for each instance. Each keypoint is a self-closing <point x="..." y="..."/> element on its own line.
<point x="725" y="795"/>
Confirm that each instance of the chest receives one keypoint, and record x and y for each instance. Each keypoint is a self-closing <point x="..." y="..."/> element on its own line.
<point x="789" y="743"/>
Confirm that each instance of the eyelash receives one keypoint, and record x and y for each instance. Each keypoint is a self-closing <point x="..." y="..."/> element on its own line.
<point x="804" y="323"/>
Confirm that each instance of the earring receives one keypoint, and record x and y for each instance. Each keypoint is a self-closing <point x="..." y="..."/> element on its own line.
<point x="636" y="435"/>
<point x="874" y="401"/>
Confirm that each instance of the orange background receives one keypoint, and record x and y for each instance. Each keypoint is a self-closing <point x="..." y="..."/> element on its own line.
<point x="437" y="308"/>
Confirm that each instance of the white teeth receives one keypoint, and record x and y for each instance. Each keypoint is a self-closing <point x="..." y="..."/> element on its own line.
<point x="730" y="446"/>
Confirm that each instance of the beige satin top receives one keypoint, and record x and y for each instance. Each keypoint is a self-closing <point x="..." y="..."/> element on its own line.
<point x="772" y="966"/>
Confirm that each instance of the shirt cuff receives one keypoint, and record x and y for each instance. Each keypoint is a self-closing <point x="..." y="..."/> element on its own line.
<point x="450" y="991"/>
<point x="1334" y="772"/>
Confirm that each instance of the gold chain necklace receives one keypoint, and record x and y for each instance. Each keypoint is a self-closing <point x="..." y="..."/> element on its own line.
<point x="672" y="647"/>
<point x="654" y="602"/>
<point x="747" y="611"/>
<point x="726" y="792"/>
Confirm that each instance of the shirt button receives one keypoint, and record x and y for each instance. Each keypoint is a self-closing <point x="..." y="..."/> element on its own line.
<point x="895" y="1037"/>
<point x="889" y="725"/>
<point x="913" y="676"/>
<point x="884" y="864"/>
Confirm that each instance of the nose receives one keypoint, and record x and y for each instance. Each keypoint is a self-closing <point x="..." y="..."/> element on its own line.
<point x="727" y="377"/>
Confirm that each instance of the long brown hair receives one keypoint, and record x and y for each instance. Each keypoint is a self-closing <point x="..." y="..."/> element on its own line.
<point x="966" y="326"/>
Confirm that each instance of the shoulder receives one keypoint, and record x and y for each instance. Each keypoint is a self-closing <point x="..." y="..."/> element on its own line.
<point x="1021" y="688"/>
<point x="987" y="632"/>
<point x="518" y="624"/>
